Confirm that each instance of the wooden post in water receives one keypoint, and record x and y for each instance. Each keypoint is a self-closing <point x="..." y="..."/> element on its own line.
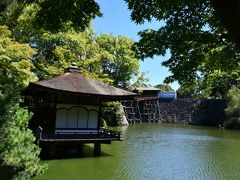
<point x="97" y="149"/>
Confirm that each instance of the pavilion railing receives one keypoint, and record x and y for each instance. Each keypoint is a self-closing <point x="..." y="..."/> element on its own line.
<point x="102" y="133"/>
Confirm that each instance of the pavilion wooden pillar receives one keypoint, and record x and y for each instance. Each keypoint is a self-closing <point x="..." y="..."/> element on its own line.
<point x="99" y="113"/>
<point x="55" y="112"/>
<point x="97" y="145"/>
<point x="97" y="149"/>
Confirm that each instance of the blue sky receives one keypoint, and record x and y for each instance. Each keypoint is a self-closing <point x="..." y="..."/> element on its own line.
<point x="116" y="20"/>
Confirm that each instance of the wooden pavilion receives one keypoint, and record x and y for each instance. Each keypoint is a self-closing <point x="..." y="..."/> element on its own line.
<point x="67" y="110"/>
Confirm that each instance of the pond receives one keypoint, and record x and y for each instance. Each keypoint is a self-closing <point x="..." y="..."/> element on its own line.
<point x="157" y="151"/>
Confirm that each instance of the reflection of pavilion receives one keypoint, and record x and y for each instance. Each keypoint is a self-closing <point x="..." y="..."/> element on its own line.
<point x="67" y="110"/>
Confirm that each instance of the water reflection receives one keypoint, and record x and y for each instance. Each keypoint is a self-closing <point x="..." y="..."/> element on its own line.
<point x="159" y="151"/>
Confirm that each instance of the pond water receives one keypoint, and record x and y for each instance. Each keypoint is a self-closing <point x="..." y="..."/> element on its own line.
<point x="157" y="151"/>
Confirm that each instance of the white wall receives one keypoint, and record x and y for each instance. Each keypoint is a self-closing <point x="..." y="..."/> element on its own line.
<point x="69" y="116"/>
<point x="92" y="121"/>
<point x="61" y="118"/>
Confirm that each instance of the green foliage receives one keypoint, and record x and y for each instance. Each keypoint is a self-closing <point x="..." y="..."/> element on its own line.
<point x="141" y="81"/>
<point x="105" y="57"/>
<point x="112" y="113"/>
<point x="214" y="85"/>
<point x="55" y="15"/>
<point x="233" y="123"/>
<point x="15" y="63"/>
<point x="199" y="44"/>
<point x="51" y="15"/>
<point x="17" y="148"/>
<point x="218" y="83"/>
<point x="103" y="123"/>
<point x="118" y="59"/>
<point x="164" y="87"/>
<point x="19" y="17"/>
<point x="233" y="109"/>
<point x="195" y="90"/>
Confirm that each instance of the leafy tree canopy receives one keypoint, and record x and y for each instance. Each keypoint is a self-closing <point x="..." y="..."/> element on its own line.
<point x="164" y="87"/>
<point x="15" y="63"/>
<point x="105" y="57"/>
<point x="191" y="91"/>
<point x="233" y="109"/>
<point x="141" y="81"/>
<point x="213" y="85"/>
<point x="199" y="44"/>
<point x="52" y="15"/>
<point x="17" y="149"/>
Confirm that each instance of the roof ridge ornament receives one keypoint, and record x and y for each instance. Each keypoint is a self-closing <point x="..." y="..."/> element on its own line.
<point x="73" y="68"/>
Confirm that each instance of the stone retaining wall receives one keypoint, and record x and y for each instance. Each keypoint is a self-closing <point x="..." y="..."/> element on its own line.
<point x="194" y="111"/>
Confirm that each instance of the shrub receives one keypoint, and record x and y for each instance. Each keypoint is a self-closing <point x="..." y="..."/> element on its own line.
<point x="18" y="151"/>
<point x="233" y="123"/>
<point x="113" y="113"/>
<point x="233" y="109"/>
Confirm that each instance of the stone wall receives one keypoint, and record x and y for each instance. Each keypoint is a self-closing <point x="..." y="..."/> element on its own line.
<point x="194" y="111"/>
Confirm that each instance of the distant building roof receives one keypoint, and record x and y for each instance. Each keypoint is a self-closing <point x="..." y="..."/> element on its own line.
<point x="146" y="89"/>
<point x="75" y="82"/>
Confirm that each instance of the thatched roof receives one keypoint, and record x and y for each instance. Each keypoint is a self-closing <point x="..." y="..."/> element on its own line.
<point x="77" y="83"/>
